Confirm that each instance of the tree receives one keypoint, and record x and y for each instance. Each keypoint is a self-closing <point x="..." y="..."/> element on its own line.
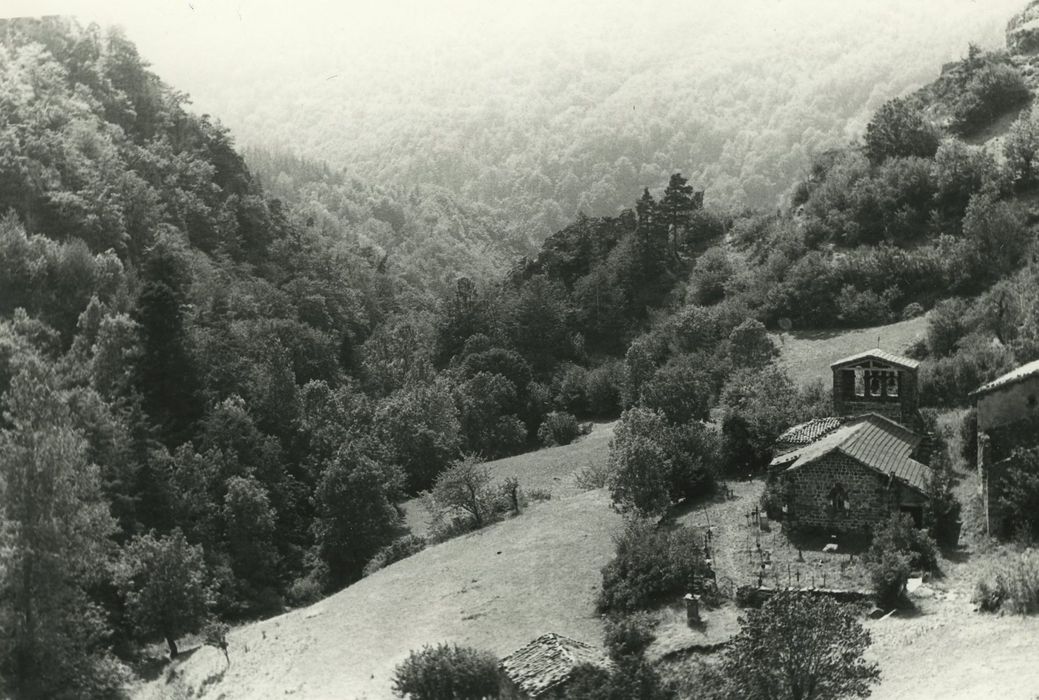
<point x="651" y="565"/>
<point x="166" y="374"/>
<point x="53" y="545"/>
<point x="899" y="129"/>
<point x="681" y="390"/>
<point x="355" y="517"/>
<point x="1021" y="149"/>
<point x="464" y="487"/>
<point x="750" y="346"/>
<point x="638" y="476"/>
<point x="675" y="208"/>
<point x="419" y="427"/>
<point x="712" y="272"/>
<point x="998" y="234"/>
<point x="163" y="582"/>
<point x="654" y="462"/>
<point x="447" y="671"/>
<point x="800" y="647"/>
<point x="249" y="520"/>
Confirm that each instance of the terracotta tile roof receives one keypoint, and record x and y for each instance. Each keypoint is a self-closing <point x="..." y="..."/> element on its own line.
<point x="547" y="662"/>
<point x="810" y="431"/>
<point x="877" y="442"/>
<point x="882" y="355"/>
<point x="1023" y="372"/>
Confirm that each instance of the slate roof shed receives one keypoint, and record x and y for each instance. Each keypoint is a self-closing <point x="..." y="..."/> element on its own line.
<point x="545" y="664"/>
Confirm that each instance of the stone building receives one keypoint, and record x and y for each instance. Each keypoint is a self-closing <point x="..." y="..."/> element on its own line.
<point x="1008" y="417"/>
<point x="853" y="477"/>
<point x="542" y="668"/>
<point x="877" y="381"/>
<point x="847" y="472"/>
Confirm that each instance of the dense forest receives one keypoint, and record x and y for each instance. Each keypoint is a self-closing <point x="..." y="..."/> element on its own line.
<point x="218" y="385"/>
<point x="545" y="110"/>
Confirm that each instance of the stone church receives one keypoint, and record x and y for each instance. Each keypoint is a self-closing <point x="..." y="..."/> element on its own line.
<point x="847" y="472"/>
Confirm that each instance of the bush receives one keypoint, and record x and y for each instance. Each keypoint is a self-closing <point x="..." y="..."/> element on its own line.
<point x="942" y="512"/>
<point x="595" y="475"/>
<point x="1019" y="499"/>
<point x="899" y="129"/>
<point x="991" y="89"/>
<point x="628" y="636"/>
<point x="969" y="438"/>
<point x="865" y="308"/>
<point x="1012" y="587"/>
<point x="889" y="574"/>
<point x="912" y="310"/>
<point x="652" y="565"/>
<point x="603" y="386"/>
<point x="897" y="534"/>
<point x="558" y="428"/>
<point x="447" y="671"/>
<point x="400" y="548"/>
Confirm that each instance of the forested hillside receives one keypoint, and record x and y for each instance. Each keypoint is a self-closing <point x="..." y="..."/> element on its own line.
<point x="546" y="109"/>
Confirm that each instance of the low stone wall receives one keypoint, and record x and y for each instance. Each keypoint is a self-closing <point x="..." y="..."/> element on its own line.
<point x="755" y="596"/>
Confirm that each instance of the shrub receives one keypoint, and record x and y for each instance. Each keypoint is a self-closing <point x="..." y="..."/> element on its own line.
<point x="628" y="636"/>
<point x="865" y="308"/>
<point x="461" y="498"/>
<point x="942" y="512"/>
<point x="603" y="386"/>
<point x="991" y="89"/>
<point x="889" y="574"/>
<point x="969" y="438"/>
<point x="400" y="548"/>
<point x="630" y="676"/>
<point x="899" y="129"/>
<point x="1020" y="494"/>
<point x="651" y="565"/>
<point x="595" y="475"/>
<point x="1013" y="586"/>
<point x="912" y="310"/>
<point x="539" y="495"/>
<point x="447" y="671"/>
<point x="214" y="634"/>
<point x="558" y="428"/>
<point x="897" y="534"/>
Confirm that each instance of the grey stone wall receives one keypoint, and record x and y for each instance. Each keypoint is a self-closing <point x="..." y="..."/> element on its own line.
<point x="869" y="496"/>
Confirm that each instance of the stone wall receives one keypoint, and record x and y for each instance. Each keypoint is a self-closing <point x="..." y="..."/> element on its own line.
<point x="1009" y="404"/>
<point x="870" y="498"/>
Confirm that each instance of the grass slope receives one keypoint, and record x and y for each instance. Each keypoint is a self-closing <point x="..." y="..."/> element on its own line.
<point x="807" y="355"/>
<point x="496" y="589"/>
<point x="552" y="470"/>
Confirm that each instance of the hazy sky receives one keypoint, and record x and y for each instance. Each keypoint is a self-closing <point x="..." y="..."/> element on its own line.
<point x="184" y="39"/>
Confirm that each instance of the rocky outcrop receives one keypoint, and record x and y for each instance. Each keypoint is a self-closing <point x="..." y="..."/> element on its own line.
<point x="1023" y="30"/>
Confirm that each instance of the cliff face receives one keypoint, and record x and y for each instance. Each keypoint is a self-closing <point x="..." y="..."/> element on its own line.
<point x="1023" y="31"/>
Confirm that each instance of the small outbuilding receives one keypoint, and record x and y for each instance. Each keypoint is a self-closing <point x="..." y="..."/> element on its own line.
<point x="543" y="668"/>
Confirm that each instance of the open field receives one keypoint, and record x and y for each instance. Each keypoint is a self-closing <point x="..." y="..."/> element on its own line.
<point x="806" y="355"/>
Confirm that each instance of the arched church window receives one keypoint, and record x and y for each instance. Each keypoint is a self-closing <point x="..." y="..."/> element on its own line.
<point x="860" y="383"/>
<point x="892" y="385"/>
<point x="839" y="499"/>
<point x="875" y="386"/>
